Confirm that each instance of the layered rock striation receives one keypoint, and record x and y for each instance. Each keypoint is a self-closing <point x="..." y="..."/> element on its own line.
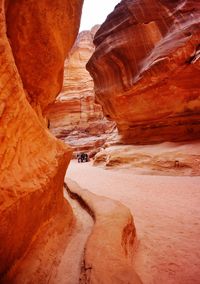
<point x="168" y="158"/>
<point x="35" y="39"/>
<point x="146" y="70"/>
<point x="75" y="117"/>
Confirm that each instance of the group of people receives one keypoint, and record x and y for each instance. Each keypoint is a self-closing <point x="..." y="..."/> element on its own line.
<point x="82" y="158"/>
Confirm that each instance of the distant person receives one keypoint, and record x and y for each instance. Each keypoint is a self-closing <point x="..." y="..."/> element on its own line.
<point x="86" y="158"/>
<point x="82" y="157"/>
<point x="79" y="158"/>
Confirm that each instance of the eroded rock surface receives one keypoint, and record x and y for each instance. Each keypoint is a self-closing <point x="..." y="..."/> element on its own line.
<point x="175" y="159"/>
<point x="166" y="214"/>
<point x="56" y="254"/>
<point x="146" y="70"/>
<point x="108" y="256"/>
<point x="33" y="163"/>
<point x="41" y="33"/>
<point x="75" y="117"/>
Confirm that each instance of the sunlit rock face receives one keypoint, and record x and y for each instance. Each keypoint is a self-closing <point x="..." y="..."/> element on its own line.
<point x="33" y="44"/>
<point x="168" y="158"/>
<point x="75" y="117"/>
<point x="146" y="70"/>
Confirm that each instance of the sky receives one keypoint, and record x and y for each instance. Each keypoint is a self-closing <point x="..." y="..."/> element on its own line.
<point x="95" y="12"/>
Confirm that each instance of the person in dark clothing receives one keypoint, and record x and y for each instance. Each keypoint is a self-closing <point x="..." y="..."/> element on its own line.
<point x="82" y="157"/>
<point x="79" y="158"/>
<point x="85" y="157"/>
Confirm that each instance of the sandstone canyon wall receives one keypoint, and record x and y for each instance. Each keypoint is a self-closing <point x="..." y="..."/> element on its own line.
<point x="35" y="39"/>
<point x="146" y="70"/>
<point x="75" y="117"/>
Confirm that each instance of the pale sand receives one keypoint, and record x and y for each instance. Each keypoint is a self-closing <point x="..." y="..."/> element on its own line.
<point x="166" y="211"/>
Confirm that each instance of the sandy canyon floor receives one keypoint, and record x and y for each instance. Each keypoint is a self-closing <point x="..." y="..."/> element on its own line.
<point x="166" y="213"/>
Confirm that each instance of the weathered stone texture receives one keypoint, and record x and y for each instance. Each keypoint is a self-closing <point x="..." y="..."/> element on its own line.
<point x="146" y="70"/>
<point x="32" y="162"/>
<point x="75" y="117"/>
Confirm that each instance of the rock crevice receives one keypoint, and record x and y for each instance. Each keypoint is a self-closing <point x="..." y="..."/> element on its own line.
<point x="75" y="117"/>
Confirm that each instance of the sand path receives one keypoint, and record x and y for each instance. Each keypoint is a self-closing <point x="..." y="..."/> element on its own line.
<point x="166" y="212"/>
<point x="69" y="269"/>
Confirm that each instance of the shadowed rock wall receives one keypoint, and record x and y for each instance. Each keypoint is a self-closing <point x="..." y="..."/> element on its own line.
<point x="34" y="40"/>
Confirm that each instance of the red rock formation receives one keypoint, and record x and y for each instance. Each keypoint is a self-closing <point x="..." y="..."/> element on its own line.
<point x="108" y="256"/>
<point x="33" y="163"/>
<point x="169" y="158"/>
<point x="146" y="69"/>
<point x="42" y="27"/>
<point x="75" y="117"/>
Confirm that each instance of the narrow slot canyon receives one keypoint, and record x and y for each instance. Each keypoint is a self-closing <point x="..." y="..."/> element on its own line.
<point x="99" y="142"/>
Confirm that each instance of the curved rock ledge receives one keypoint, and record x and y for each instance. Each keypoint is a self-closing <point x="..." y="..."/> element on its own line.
<point x="146" y="69"/>
<point x="174" y="159"/>
<point x="110" y="247"/>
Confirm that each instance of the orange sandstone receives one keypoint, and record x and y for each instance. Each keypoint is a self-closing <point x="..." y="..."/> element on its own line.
<point x="108" y="256"/>
<point x="41" y="34"/>
<point x="146" y="70"/>
<point x="75" y="117"/>
<point x="32" y="162"/>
